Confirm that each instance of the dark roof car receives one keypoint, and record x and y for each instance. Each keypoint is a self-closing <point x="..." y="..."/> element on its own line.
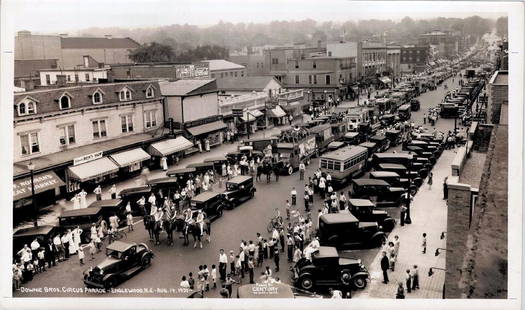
<point x="339" y="218"/>
<point x="238" y="190"/>
<point x="366" y="182"/>
<point x="173" y="172"/>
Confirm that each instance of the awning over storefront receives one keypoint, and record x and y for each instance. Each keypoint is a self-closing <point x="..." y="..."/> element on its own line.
<point x="210" y="127"/>
<point x="43" y="182"/>
<point x="291" y="106"/>
<point x="128" y="158"/>
<point x="170" y="146"/>
<point x="250" y="116"/>
<point x="385" y="79"/>
<point x="93" y="169"/>
<point x="277" y="112"/>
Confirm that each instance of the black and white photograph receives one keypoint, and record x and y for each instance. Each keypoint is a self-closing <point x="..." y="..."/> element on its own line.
<point x="262" y="150"/>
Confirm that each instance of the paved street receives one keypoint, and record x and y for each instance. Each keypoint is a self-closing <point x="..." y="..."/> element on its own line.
<point x="170" y="263"/>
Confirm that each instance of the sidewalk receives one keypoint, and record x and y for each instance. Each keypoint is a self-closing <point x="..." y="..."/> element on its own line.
<point x="429" y="215"/>
<point x="55" y="210"/>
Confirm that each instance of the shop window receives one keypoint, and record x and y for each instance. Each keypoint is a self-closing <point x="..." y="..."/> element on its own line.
<point x="29" y="143"/>
<point x="67" y="134"/>
<point x="126" y="123"/>
<point x="99" y="129"/>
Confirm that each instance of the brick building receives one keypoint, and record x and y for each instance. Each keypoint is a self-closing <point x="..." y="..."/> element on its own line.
<point x="414" y="58"/>
<point x="498" y="93"/>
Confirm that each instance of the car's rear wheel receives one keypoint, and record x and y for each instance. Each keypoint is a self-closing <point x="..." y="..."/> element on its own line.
<point x="290" y="170"/>
<point x="110" y="283"/>
<point x="306" y="282"/>
<point x="146" y="261"/>
<point x="359" y="282"/>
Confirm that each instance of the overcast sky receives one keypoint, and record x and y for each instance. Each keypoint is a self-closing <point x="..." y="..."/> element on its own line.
<point x="51" y="16"/>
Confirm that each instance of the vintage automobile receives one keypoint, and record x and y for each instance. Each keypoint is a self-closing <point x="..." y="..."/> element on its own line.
<point x="182" y="175"/>
<point x="388" y="119"/>
<point x="335" y="145"/>
<point x="404" y="159"/>
<point x="212" y="203"/>
<point x="163" y="183"/>
<point x="123" y="261"/>
<point x="329" y="268"/>
<point x="363" y="210"/>
<point x="42" y="233"/>
<point x="344" y="230"/>
<point x="238" y="190"/>
<point x="110" y="207"/>
<point x="82" y="218"/>
<point x="394" y="136"/>
<point x="394" y="179"/>
<point x="202" y="167"/>
<point x="217" y="161"/>
<point x="132" y="195"/>
<point x="415" y="105"/>
<point x="379" y="191"/>
<point x="381" y="141"/>
<point x="351" y="138"/>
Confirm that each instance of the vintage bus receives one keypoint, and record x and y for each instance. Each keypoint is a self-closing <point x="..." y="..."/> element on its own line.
<point x="344" y="163"/>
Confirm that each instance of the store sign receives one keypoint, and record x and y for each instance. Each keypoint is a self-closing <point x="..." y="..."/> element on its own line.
<point x="200" y="70"/>
<point x="87" y="158"/>
<point x="237" y="112"/>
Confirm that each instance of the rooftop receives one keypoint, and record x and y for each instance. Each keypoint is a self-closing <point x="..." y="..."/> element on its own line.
<point x="500" y="78"/>
<point x="185" y="87"/>
<point x="30" y="67"/>
<point x="248" y="83"/>
<point x="221" y="64"/>
<point x="92" y="43"/>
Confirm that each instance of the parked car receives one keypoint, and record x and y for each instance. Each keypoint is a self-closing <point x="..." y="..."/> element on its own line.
<point x="42" y="233"/>
<point x="110" y="207"/>
<point x="329" y="268"/>
<point x="212" y="203"/>
<point x="379" y="191"/>
<point x="363" y="210"/>
<point x="344" y="230"/>
<point x="82" y="218"/>
<point x="381" y="141"/>
<point x="238" y="190"/>
<point x="132" y="195"/>
<point x="202" y="167"/>
<point x="123" y="260"/>
<point x="182" y="175"/>
<point x="394" y="136"/>
<point x="394" y="179"/>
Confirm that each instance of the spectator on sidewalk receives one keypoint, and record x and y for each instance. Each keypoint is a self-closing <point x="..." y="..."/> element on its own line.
<point x="402" y="214"/>
<point x="430" y="175"/>
<point x="408" y="280"/>
<point x="293" y="193"/>
<point x="385" y="264"/>
<point x="302" y="169"/>
<point x="98" y="192"/>
<point x="415" y="278"/>
<point x="445" y="189"/>
<point x="396" y="244"/>
<point x="424" y="243"/>
<point x="113" y="192"/>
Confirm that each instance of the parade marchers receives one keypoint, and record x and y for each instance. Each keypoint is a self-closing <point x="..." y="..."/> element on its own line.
<point x="175" y="213"/>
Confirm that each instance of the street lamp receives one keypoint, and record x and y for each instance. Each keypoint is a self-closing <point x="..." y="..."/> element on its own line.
<point x="31" y="168"/>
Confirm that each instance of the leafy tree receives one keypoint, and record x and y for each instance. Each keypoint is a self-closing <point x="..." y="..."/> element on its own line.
<point x="153" y="52"/>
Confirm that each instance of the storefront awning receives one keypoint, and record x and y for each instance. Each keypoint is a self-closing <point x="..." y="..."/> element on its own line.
<point x="277" y="112"/>
<point x="210" y="127"/>
<point x="170" y="146"/>
<point x="127" y="158"/>
<point x="43" y="182"/>
<point x="250" y="116"/>
<point x="93" y="169"/>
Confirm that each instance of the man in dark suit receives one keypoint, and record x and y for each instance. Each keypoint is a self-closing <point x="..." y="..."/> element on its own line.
<point x="385" y="264"/>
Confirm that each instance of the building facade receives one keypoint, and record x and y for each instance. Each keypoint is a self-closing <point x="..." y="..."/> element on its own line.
<point x="414" y="58"/>
<point x="446" y="42"/>
<point x="73" y="76"/>
<point x="247" y="85"/>
<point x="70" y="51"/>
<point x="254" y="63"/>
<point x="167" y="71"/>
<point x="372" y="59"/>
<point x="70" y="130"/>
<point x="498" y="95"/>
<point x="220" y="68"/>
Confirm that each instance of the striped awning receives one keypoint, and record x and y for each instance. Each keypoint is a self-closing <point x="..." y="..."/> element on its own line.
<point x="128" y="158"/>
<point x="93" y="169"/>
<point x="170" y="146"/>
<point x="43" y="181"/>
<point x="277" y="112"/>
<point x="250" y="116"/>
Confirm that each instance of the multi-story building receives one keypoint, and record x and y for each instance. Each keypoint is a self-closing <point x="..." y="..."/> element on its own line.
<point x="254" y="63"/>
<point x="26" y="71"/>
<point x="246" y="85"/>
<point x="446" y="42"/>
<point x="78" y="136"/>
<point x="73" y="76"/>
<point x="414" y="58"/>
<point x="372" y="59"/>
<point x="70" y="51"/>
<point x="393" y="60"/>
<point x="220" y="68"/>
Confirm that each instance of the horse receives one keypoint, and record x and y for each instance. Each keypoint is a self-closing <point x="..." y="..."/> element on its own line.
<point x="195" y="231"/>
<point x="149" y="225"/>
<point x="266" y="169"/>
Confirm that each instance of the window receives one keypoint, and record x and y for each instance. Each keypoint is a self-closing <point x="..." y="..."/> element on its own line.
<point x="235" y="73"/>
<point x="213" y="75"/>
<point x="296" y="79"/>
<point x="125" y="94"/>
<point x="275" y="61"/>
<point x="97" y="97"/>
<point x="69" y="78"/>
<point x="242" y="73"/>
<point x="337" y="166"/>
<point x="150" y="92"/>
<point x="87" y="77"/>
<point x="315" y="79"/>
<point x="296" y="64"/>
<point x="327" y="78"/>
<point x="29" y="143"/>
<point x="64" y="102"/>
<point x="99" y="129"/>
<point x="231" y="73"/>
<point x="309" y="79"/>
<point x="76" y="77"/>
<point x="26" y="107"/>
<point x="221" y="74"/>
<point x="314" y="65"/>
<point x="323" y="163"/>
<point x="48" y="79"/>
<point x="329" y="54"/>
<point x="126" y="123"/>
<point x="150" y="119"/>
<point x="67" y="134"/>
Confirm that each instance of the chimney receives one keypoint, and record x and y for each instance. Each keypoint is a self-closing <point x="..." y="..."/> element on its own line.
<point x="63" y="35"/>
<point x="30" y="85"/>
<point x="108" y="36"/>
<point x="61" y="80"/>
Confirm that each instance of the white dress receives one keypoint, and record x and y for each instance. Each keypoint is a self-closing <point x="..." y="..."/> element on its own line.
<point x="76" y="202"/>
<point x="83" y="202"/>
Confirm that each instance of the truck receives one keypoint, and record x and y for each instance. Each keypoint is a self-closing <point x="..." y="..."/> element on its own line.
<point x="295" y="145"/>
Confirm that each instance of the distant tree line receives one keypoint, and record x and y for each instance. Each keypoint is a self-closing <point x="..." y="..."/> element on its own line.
<point x="186" y="41"/>
<point x="158" y="52"/>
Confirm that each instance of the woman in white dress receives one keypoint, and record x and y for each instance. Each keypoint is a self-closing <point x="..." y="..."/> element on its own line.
<point x="76" y="202"/>
<point x="83" y="202"/>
